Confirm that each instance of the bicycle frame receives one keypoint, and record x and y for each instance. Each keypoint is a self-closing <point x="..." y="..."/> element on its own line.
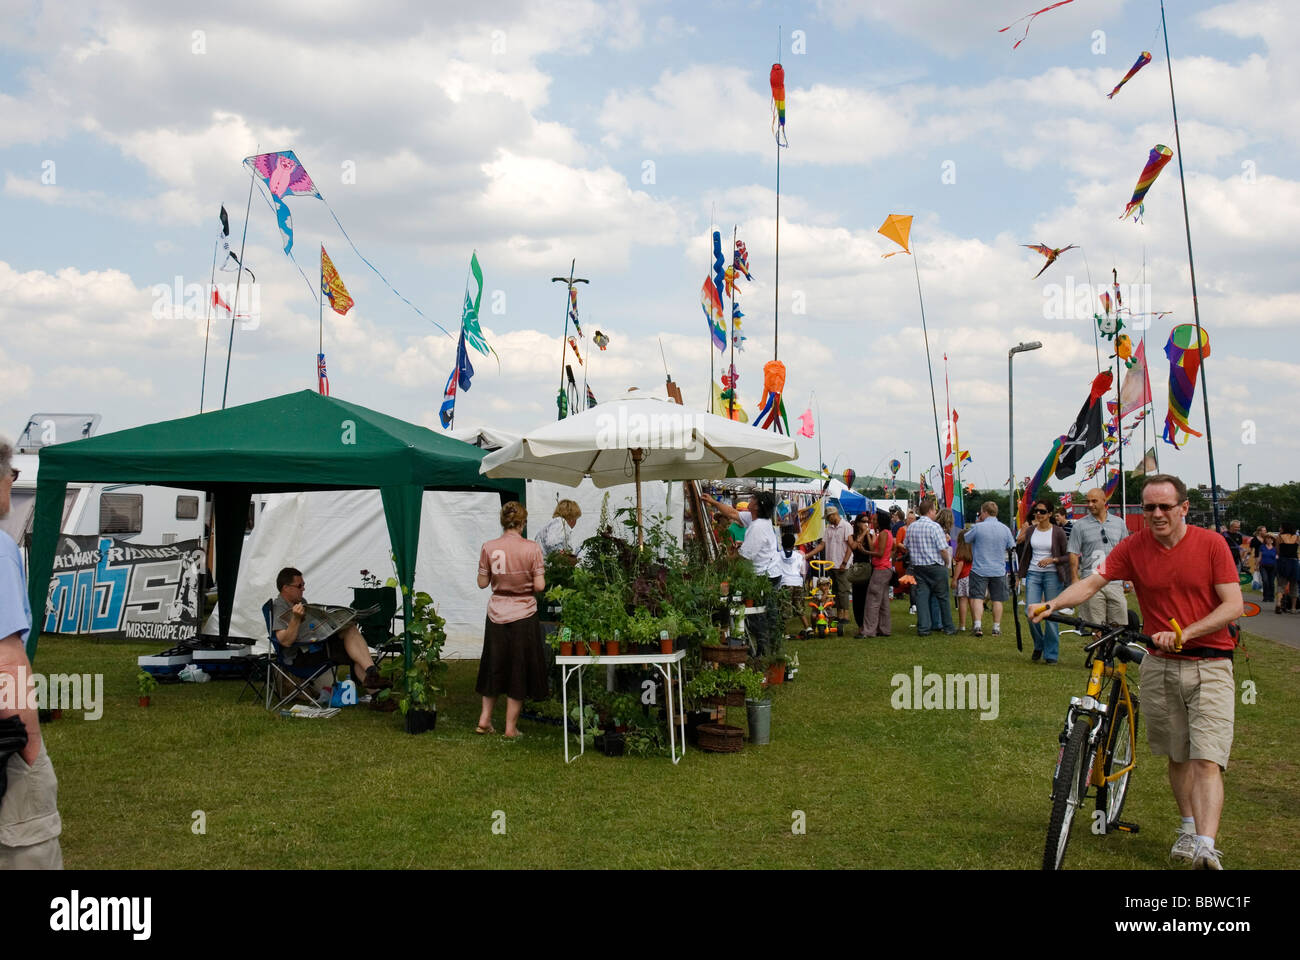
<point x="1099" y="715"/>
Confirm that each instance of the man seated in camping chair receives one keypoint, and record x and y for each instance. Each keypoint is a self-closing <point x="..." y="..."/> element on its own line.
<point x="346" y="646"/>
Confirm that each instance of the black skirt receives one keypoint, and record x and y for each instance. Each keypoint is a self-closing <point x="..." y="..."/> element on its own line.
<point x="513" y="662"/>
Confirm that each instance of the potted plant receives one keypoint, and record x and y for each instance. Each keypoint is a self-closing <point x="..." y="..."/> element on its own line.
<point x="417" y="684"/>
<point x="571" y="609"/>
<point x="146" y="683"/>
<point x="612" y="622"/>
<point x="774" y="670"/>
<point x="642" y="629"/>
<point x="374" y="592"/>
<point x="670" y="626"/>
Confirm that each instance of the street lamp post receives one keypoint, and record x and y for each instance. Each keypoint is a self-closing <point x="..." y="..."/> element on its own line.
<point x="909" y="475"/>
<point x="1238" y="476"/>
<point x="1011" y="432"/>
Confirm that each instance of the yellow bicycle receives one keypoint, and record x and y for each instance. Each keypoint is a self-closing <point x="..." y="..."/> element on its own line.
<point x="1099" y="738"/>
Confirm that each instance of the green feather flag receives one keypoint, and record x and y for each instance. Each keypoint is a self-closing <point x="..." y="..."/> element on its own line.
<point x="469" y="316"/>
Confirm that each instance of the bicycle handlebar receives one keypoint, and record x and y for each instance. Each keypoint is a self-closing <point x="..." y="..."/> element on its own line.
<point x="1107" y="630"/>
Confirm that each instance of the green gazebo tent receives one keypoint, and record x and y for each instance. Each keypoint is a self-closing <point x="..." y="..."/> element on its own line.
<point x="300" y="441"/>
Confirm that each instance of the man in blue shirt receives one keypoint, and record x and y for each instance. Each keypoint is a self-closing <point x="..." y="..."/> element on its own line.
<point x="989" y="542"/>
<point x="29" y="815"/>
<point x="927" y="545"/>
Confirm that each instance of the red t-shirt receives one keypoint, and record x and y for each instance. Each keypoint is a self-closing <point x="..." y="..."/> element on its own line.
<point x="883" y="562"/>
<point x="1177" y="583"/>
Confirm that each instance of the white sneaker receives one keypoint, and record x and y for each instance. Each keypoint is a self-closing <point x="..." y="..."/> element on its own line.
<point x="912" y="611"/>
<point x="1206" y="857"/>
<point x="1184" y="848"/>
<point x="997" y="629"/>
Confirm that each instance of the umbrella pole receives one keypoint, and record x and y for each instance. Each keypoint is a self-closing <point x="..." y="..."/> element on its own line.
<point x="637" y="455"/>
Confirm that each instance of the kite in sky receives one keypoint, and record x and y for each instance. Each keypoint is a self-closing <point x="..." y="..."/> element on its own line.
<point x="777" y="81"/>
<point x="1124" y="349"/>
<point x="284" y="177"/>
<point x="1184" y="365"/>
<point x="806" y="428"/>
<point x="1048" y="252"/>
<point x="1159" y="156"/>
<point x="1141" y="62"/>
<point x="1030" y="17"/>
<point x="600" y="340"/>
<point x="711" y="303"/>
<point x="897" y="227"/>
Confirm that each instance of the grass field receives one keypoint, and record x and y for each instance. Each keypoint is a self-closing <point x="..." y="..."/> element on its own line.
<point x="880" y="788"/>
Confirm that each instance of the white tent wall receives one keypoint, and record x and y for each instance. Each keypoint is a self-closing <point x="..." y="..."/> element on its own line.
<point x="331" y="536"/>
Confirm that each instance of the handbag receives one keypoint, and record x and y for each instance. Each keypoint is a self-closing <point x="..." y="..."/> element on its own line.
<point x="860" y="572"/>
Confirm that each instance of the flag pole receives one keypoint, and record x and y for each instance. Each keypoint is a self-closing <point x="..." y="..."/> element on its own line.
<point x="1196" y="309"/>
<point x="776" y="286"/>
<point x="934" y="405"/>
<point x="731" y="403"/>
<point x="234" y="307"/>
<point x="586" y="369"/>
<point x="320" y="320"/>
<point x="207" y="325"/>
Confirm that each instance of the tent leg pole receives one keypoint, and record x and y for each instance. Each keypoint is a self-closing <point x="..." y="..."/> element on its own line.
<point x="637" y="454"/>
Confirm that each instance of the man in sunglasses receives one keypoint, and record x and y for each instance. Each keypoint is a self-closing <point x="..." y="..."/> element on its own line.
<point x="1091" y="540"/>
<point x="1181" y="573"/>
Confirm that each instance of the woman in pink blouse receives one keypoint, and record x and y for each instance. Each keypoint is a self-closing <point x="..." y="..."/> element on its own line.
<point x="512" y="661"/>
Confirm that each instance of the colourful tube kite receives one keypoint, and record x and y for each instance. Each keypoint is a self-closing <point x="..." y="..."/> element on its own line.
<point x="1160" y="155"/>
<point x="1141" y="62"/>
<point x="777" y="80"/>
<point x="1184" y="365"/>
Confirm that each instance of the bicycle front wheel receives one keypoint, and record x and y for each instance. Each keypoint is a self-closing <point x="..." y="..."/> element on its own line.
<point x="1119" y="754"/>
<point x="1068" y="790"/>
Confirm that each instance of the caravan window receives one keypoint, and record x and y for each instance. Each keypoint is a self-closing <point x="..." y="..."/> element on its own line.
<point x="187" y="508"/>
<point x="121" y="513"/>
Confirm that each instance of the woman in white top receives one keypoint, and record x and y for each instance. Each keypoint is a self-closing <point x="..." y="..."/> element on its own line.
<point x="762" y="548"/>
<point x="555" y="535"/>
<point x="1044" y="555"/>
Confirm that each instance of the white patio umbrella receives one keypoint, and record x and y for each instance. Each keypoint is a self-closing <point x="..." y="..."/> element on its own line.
<point x="635" y="439"/>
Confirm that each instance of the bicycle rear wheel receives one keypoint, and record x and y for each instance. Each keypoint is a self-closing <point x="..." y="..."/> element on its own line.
<point x="1119" y="754"/>
<point x="1068" y="791"/>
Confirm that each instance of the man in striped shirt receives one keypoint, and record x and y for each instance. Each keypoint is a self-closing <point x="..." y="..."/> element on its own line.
<point x="928" y="546"/>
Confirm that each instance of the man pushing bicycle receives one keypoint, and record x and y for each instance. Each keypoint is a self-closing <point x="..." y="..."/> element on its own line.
<point x="1184" y="576"/>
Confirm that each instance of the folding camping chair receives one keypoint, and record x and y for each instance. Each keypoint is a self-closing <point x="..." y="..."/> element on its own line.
<point x="297" y="674"/>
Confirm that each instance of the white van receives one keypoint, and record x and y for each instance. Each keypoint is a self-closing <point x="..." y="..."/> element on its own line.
<point x="133" y="512"/>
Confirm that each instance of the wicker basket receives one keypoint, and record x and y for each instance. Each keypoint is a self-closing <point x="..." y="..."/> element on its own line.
<point x="720" y="738"/>
<point x="731" y="656"/>
<point x="736" y="698"/>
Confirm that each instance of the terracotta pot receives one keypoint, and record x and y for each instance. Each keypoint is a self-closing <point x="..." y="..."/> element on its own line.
<point x="665" y="646"/>
<point x="566" y="648"/>
<point x="776" y="674"/>
<point x="726" y="588"/>
<point x="611" y="648"/>
<point x="144" y="701"/>
<point x="593" y="648"/>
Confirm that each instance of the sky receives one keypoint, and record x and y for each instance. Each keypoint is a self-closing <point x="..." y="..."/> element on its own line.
<point x="619" y="135"/>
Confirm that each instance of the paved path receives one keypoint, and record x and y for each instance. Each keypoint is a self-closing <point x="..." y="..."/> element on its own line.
<point x="1282" y="627"/>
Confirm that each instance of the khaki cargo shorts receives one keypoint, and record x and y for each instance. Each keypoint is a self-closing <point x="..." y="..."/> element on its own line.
<point x="1189" y="708"/>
